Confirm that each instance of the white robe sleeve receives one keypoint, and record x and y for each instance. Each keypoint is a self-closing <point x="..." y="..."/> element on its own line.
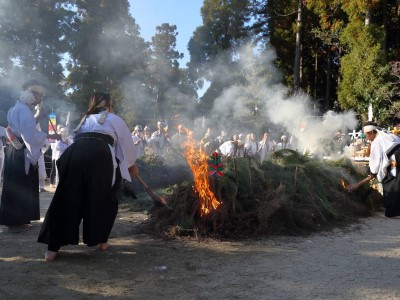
<point x="34" y="139"/>
<point x="378" y="161"/>
<point x="2" y="132"/>
<point x="124" y="148"/>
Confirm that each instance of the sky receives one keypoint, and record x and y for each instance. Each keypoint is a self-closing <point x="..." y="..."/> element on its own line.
<point x="185" y="14"/>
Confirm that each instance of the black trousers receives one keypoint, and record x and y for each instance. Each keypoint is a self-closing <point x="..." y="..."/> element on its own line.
<point x="84" y="193"/>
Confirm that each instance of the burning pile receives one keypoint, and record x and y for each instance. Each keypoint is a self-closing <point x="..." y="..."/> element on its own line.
<point x="197" y="161"/>
<point x="290" y="194"/>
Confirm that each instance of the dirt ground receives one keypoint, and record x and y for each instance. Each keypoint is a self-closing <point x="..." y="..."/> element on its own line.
<point x="358" y="262"/>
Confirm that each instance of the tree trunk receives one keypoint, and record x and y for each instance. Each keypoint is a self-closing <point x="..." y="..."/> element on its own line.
<point x="368" y="13"/>
<point x="315" y="74"/>
<point x="296" y="83"/>
<point x="328" y="78"/>
<point x="385" y="25"/>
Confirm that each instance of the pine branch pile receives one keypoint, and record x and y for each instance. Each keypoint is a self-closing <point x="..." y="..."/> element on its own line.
<point x="291" y="194"/>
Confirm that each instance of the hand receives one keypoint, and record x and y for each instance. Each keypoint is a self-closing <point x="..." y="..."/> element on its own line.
<point x="54" y="136"/>
<point x="133" y="170"/>
<point x="352" y="187"/>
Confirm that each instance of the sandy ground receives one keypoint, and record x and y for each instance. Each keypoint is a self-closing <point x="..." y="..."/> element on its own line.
<point x="358" y="262"/>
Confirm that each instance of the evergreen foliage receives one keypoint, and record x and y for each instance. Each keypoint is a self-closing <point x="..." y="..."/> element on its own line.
<point x="292" y="193"/>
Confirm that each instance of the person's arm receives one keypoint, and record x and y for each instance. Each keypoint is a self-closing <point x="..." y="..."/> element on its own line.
<point x="133" y="170"/>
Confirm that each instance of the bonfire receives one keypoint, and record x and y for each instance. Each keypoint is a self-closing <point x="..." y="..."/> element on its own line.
<point x="292" y="193"/>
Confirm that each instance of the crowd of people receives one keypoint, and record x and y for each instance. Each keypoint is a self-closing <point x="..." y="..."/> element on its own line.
<point x="88" y="169"/>
<point x="236" y="145"/>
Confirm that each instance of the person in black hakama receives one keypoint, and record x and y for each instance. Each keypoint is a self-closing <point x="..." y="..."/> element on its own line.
<point x="89" y="173"/>
<point x="384" y="166"/>
<point x="383" y="163"/>
<point x="20" y="196"/>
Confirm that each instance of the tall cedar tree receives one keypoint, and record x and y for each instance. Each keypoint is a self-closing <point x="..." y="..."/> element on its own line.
<point x="32" y="42"/>
<point x="171" y="90"/>
<point x="224" y="29"/>
<point x="105" y="48"/>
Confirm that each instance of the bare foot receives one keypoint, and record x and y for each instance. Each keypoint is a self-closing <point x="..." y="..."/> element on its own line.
<point x="50" y="255"/>
<point x="103" y="246"/>
<point x="18" y="228"/>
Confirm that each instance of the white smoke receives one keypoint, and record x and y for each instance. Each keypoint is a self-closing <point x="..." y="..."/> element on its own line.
<point x="283" y="113"/>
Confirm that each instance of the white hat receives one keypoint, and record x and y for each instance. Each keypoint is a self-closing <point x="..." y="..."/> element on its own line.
<point x="369" y="128"/>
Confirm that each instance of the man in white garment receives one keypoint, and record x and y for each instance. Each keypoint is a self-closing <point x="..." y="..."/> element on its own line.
<point x="384" y="166"/>
<point x="265" y="147"/>
<point x="20" y="196"/>
<point x="138" y="141"/>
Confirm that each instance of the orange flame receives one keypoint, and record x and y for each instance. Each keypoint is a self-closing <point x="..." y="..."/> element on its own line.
<point x="344" y="184"/>
<point x="197" y="160"/>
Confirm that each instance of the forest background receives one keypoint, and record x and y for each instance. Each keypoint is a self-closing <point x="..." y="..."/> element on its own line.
<point x="343" y="54"/>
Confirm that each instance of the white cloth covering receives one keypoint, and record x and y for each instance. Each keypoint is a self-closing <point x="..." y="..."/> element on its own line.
<point x="138" y="144"/>
<point x="228" y="148"/>
<point x="250" y="148"/>
<point x="59" y="147"/>
<point x="265" y="148"/>
<point x="23" y="124"/>
<point x="123" y="148"/>
<point x="378" y="159"/>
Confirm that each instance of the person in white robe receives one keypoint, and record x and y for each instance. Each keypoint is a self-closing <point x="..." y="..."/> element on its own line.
<point x="228" y="148"/>
<point x="384" y="166"/>
<point x="250" y="146"/>
<point x="20" y="195"/>
<point x="265" y="147"/>
<point x="138" y="141"/>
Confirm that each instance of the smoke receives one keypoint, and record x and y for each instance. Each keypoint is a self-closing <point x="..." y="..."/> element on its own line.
<point x="250" y="98"/>
<point x="266" y="104"/>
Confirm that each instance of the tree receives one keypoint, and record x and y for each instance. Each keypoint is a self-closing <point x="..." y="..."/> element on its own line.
<point x="32" y="43"/>
<point x="105" y="49"/>
<point x="331" y="22"/>
<point x="296" y="75"/>
<point x="169" y="84"/>
<point x="225" y="28"/>
<point x="365" y="72"/>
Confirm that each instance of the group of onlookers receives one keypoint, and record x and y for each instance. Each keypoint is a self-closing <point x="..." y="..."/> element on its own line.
<point x="236" y="145"/>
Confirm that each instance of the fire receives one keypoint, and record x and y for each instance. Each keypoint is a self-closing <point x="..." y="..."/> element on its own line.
<point x="344" y="184"/>
<point x="198" y="164"/>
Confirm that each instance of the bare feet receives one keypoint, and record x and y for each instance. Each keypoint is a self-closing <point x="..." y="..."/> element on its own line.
<point x="50" y="255"/>
<point x="103" y="246"/>
<point x="18" y="228"/>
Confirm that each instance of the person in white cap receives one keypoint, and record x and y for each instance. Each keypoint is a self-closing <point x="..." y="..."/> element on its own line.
<point x="265" y="147"/>
<point x="20" y="195"/>
<point x="384" y="166"/>
<point x="138" y="141"/>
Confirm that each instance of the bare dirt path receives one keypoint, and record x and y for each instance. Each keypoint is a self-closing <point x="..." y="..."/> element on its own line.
<point x="359" y="262"/>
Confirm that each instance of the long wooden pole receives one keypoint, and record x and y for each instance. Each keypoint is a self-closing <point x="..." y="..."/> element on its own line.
<point x="352" y="187"/>
<point x="149" y="191"/>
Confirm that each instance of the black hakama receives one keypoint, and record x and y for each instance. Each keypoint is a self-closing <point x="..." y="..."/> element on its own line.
<point x="391" y="189"/>
<point x="84" y="192"/>
<point x="20" y="195"/>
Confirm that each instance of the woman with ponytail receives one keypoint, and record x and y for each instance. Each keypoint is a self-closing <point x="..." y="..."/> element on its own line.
<point x="90" y="171"/>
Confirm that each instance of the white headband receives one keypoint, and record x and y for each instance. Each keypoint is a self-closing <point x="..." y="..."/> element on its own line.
<point x="369" y="128"/>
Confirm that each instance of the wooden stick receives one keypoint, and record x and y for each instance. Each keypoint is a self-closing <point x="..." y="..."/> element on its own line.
<point x="352" y="187"/>
<point x="149" y="191"/>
